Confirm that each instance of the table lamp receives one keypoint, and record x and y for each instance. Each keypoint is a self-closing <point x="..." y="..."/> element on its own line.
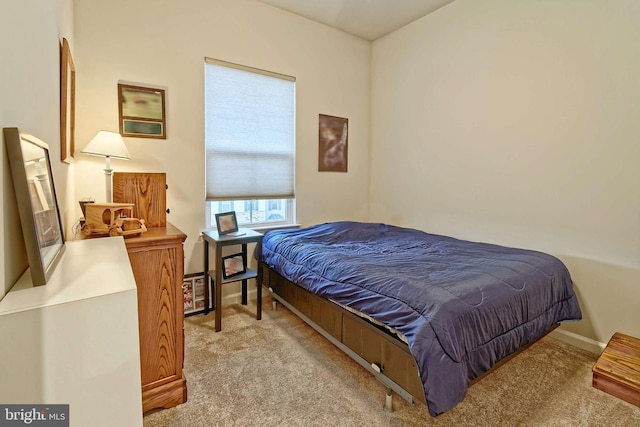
<point x="110" y="145"/>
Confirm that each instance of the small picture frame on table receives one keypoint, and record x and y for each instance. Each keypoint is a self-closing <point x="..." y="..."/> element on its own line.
<point x="233" y="265"/>
<point x="226" y="223"/>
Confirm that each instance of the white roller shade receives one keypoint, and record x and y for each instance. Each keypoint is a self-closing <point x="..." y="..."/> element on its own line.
<point x="249" y="133"/>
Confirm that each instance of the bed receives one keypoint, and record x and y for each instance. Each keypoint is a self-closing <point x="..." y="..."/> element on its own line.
<point x="426" y="314"/>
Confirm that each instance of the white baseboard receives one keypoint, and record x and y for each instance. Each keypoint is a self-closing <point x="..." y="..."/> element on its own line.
<point x="236" y="297"/>
<point x="579" y="341"/>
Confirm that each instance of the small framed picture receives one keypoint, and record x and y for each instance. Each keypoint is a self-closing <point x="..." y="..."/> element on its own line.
<point x="226" y="223"/>
<point x="193" y="290"/>
<point x="142" y="111"/>
<point x="233" y="265"/>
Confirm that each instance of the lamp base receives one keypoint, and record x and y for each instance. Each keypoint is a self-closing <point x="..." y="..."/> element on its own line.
<point x="108" y="174"/>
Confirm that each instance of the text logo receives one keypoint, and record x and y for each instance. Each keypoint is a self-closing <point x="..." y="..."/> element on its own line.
<point x="34" y="415"/>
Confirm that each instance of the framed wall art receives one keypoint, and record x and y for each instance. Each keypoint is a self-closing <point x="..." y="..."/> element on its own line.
<point x="67" y="103"/>
<point x="142" y="111"/>
<point x="37" y="203"/>
<point x="333" y="143"/>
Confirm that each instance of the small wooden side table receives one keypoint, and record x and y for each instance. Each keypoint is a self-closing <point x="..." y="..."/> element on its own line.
<point x="617" y="371"/>
<point x="211" y="237"/>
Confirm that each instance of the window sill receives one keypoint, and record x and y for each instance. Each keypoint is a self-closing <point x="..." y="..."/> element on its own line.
<point x="273" y="227"/>
<point x="263" y="228"/>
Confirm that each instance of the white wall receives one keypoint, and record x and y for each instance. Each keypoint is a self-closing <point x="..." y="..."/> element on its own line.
<point x="516" y="122"/>
<point x="512" y="122"/>
<point x="164" y="43"/>
<point x="30" y="35"/>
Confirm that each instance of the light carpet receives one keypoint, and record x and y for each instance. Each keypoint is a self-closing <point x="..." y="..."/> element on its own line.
<point x="280" y="372"/>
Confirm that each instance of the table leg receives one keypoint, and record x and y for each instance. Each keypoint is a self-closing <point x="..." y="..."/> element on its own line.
<point x="259" y="302"/>
<point x="259" y="280"/>
<point x="217" y="286"/>
<point x="207" y="278"/>
<point x="244" y="292"/>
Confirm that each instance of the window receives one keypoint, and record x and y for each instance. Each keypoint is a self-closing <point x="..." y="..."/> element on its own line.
<point x="254" y="212"/>
<point x="249" y="144"/>
<point x="251" y="205"/>
<point x="274" y="205"/>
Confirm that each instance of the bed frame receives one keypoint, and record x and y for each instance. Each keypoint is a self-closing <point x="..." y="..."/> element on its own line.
<point x="379" y="351"/>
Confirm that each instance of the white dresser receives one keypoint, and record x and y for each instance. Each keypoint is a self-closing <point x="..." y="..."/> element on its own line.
<point x="75" y="340"/>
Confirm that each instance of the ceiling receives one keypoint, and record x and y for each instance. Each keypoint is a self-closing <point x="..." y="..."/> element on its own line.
<point x="368" y="19"/>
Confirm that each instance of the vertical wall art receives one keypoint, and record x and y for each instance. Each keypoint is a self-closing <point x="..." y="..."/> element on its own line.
<point x="67" y="103"/>
<point x="141" y="111"/>
<point x="333" y="143"/>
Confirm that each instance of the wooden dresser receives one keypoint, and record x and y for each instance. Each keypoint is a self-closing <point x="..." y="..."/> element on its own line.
<point x="157" y="260"/>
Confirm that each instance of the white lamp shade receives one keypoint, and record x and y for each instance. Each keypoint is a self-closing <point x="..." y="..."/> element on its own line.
<point x="107" y="144"/>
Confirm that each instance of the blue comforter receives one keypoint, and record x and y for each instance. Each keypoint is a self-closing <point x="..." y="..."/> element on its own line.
<point x="462" y="306"/>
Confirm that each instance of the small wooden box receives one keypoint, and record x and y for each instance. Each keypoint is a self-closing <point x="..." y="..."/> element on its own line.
<point x="617" y="371"/>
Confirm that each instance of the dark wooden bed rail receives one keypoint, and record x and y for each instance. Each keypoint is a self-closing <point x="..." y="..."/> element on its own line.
<point x="375" y="348"/>
<point x="385" y="356"/>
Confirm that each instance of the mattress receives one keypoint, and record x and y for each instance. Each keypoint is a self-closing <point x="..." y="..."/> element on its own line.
<point x="461" y="306"/>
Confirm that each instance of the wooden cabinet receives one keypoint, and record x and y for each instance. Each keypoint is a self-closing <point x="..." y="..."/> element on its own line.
<point x="157" y="260"/>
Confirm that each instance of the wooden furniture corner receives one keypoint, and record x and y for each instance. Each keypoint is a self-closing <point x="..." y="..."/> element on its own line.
<point x="617" y="371"/>
<point x="157" y="260"/>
